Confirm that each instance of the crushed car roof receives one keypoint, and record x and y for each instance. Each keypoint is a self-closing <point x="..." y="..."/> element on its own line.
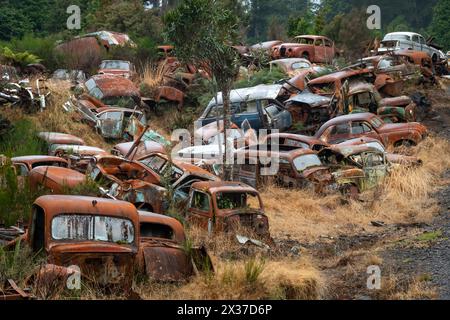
<point x="38" y="158"/>
<point x="262" y="91"/>
<point x="223" y="186"/>
<point x="310" y="98"/>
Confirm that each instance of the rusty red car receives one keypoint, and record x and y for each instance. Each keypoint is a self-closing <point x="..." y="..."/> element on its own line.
<point x="318" y="49"/>
<point x="25" y="164"/>
<point x="370" y="125"/>
<point x="55" y="180"/>
<point x="100" y="236"/>
<point x="226" y="207"/>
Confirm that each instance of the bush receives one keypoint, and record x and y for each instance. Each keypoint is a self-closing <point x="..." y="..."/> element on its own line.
<point x="264" y="76"/>
<point x="40" y="47"/>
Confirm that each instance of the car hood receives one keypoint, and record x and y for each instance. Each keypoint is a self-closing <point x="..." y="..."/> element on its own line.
<point x="90" y="247"/>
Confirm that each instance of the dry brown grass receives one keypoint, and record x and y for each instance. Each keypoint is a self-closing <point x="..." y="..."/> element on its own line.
<point x="417" y="288"/>
<point x="55" y="119"/>
<point x="284" y="279"/>
<point x="405" y="197"/>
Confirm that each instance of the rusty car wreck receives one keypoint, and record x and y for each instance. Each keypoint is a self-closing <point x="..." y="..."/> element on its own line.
<point x="227" y="207"/>
<point x="100" y="236"/>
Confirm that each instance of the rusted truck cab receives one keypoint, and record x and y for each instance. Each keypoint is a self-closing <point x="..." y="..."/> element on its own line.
<point x="163" y="254"/>
<point x="226" y="207"/>
<point x="99" y="236"/>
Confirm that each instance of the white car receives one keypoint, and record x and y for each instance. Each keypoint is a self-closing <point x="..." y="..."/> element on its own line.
<point x="409" y="41"/>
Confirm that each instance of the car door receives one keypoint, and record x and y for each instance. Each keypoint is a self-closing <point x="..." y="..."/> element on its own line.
<point x="375" y="169"/>
<point x="200" y="208"/>
<point x="277" y="117"/>
<point x="111" y="124"/>
<point x="329" y="51"/>
<point x="246" y="110"/>
<point x="415" y="43"/>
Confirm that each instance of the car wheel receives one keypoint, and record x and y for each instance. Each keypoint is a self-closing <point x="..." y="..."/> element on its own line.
<point x="405" y="143"/>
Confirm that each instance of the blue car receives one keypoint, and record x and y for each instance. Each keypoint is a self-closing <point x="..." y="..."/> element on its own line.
<point x="258" y="105"/>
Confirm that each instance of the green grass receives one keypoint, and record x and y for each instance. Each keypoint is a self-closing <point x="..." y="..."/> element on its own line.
<point x="430" y="236"/>
<point x="16" y="198"/>
<point x="22" y="140"/>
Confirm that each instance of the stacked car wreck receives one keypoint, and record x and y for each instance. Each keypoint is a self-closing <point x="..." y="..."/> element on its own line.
<point x="323" y="129"/>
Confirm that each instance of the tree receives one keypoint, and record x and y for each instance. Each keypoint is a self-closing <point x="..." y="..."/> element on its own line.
<point x="203" y="32"/>
<point x="440" y="24"/>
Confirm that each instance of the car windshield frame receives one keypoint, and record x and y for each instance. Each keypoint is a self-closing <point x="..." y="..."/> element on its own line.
<point x="91" y="223"/>
<point x="220" y="202"/>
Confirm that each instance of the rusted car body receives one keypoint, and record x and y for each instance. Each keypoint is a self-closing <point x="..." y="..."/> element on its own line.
<point x="78" y="157"/>
<point x="56" y="180"/>
<point x="393" y="158"/>
<point x="100" y="236"/>
<point x="258" y="105"/>
<point x="364" y="97"/>
<point x="331" y="84"/>
<point x="144" y="182"/>
<point x="118" y="68"/>
<point x="56" y="139"/>
<point x="287" y="166"/>
<point x="143" y="148"/>
<point x="226" y="207"/>
<point x="111" y="122"/>
<point x="309" y="111"/>
<point x="25" y="164"/>
<point x="162" y="252"/>
<point x="87" y="50"/>
<point x="112" y="91"/>
<point x="355" y="168"/>
<point x="317" y="49"/>
<point x="295" y="140"/>
<point x="291" y="66"/>
<point x="370" y="125"/>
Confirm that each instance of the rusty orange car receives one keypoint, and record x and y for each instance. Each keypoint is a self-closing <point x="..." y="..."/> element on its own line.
<point x="318" y="49"/>
<point x="25" y="164"/>
<point x="100" y="236"/>
<point x="285" y="165"/>
<point x="370" y="125"/>
<point x="144" y="182"/>
<point x="226" y="207"/>
<point x="55" y="180"/>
